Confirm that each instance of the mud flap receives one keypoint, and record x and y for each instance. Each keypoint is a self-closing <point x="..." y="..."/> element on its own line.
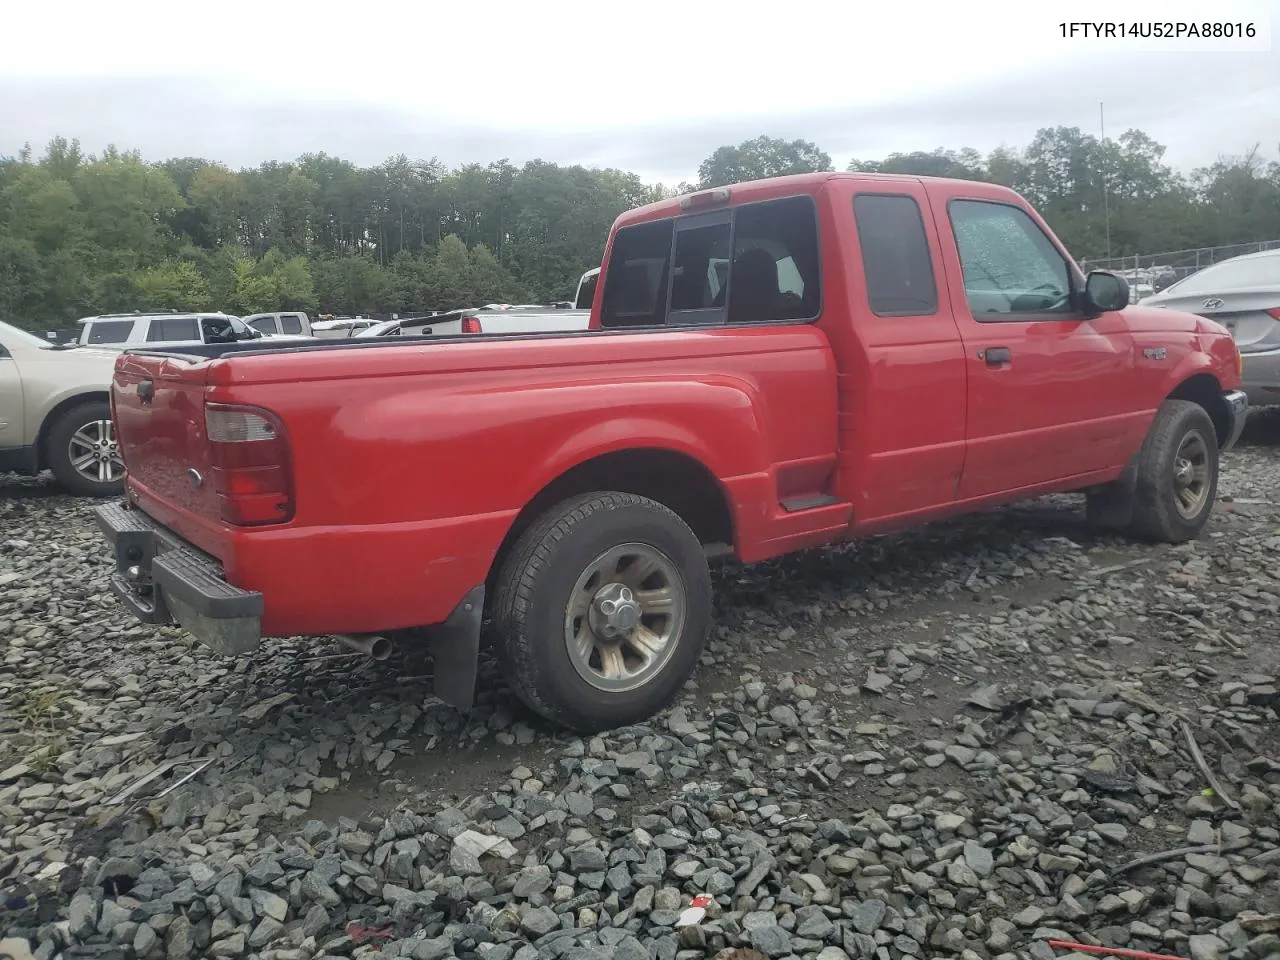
<point x="455" y="651"/>
<point x="1111" y="506"/>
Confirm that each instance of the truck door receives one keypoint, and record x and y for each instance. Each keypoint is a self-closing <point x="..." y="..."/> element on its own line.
<point x="1049" y="390"/>
<point x="902" y="371"/>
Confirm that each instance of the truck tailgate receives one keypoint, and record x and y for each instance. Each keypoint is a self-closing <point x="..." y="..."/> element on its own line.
<point x="158" y="406"/>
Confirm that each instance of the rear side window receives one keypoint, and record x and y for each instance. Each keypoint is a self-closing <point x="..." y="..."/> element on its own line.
<point x="895" y="256"/>
<point x="265" y="324"/>
<point x="164" y="329"/>
<point x="757" y="263"/>
<point x="110" y="331"/>
<point x="290" y="323"/>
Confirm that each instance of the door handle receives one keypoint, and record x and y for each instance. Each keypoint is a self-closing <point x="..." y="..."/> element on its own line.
<point x="995" y="356"/>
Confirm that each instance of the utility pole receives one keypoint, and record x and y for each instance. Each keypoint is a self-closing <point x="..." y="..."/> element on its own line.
<point x="1106" y="208"/>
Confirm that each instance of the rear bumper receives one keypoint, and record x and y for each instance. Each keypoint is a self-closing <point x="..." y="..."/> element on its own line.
<point x="1238" y="412"/>
<point x="1261" y="378"/>
<point x="163" y="579"/>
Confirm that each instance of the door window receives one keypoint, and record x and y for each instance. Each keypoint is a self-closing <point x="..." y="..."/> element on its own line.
<point x="1011" y="269"/>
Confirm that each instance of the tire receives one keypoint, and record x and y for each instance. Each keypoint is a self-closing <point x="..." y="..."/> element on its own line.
<point x="58" y="454"/>
<point x="604" y="684"/>
<point x="1176" y="474"/>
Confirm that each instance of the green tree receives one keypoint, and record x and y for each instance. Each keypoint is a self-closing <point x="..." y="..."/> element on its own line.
<point x="761" y="158"/>
<point x="491" y="281"/>
<point x="173" y="285"/>
<point x="450" y="281"/>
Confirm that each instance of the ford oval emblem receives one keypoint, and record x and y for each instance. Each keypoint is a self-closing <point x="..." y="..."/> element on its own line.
<point x="196" y="479"/>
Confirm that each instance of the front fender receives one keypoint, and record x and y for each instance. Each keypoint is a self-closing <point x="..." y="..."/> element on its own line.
<point x="1212" y="355"/>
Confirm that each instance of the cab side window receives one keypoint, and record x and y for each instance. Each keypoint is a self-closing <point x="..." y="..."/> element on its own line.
<point x="895" y="256"/>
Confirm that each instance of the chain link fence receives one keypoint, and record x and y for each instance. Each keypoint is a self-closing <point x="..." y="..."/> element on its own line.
<point x="1150" y="273"/>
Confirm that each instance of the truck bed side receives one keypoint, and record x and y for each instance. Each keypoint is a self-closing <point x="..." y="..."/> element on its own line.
<point x="412" y="461"/>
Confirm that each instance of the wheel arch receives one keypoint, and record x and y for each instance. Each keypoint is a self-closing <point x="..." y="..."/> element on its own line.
<point x="1205" y="390"/>
<point x="50" y="418"/>
<point x="671" y="477"/>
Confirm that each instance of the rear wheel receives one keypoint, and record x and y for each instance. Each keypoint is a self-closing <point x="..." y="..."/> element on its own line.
<point x="603" y="608"/>
<point x="83" y="453"/>
<point x="1177" y="474"/>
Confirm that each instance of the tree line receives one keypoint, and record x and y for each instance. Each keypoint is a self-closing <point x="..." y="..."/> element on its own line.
<point x="82" y="234"/>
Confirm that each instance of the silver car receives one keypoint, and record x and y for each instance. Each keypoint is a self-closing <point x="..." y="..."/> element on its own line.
<point x="54" y="413"/>
<point x="1242" y="294"/>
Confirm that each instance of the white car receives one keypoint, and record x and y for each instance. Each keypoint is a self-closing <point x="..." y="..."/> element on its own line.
<point x="285" y="323"/>
<point x="340" y="327"/>
<point x="123" y="331"/>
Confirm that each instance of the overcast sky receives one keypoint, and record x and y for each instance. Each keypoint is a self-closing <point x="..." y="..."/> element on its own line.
<point x="652" y="86"/>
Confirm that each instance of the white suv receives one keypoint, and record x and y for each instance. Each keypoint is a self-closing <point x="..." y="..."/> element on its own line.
<point x="125" y="330"/>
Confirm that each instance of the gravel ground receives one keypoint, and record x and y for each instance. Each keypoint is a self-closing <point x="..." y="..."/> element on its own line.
<point x="960" y="741"/>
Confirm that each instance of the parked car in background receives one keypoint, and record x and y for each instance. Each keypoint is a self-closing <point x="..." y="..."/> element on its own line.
<point x="411" y="327"/>
<point x="55" y="413"/>
<point x="1242" y="294"/>
<point x="122" y="331"/>
<point x="287" y="324"/>
<point x="498" y="318"/>
<point x="879" y="352"/>
<point x="517" y="320"/>
<point x="338" y="327"/>
<point x="586" y="289"/>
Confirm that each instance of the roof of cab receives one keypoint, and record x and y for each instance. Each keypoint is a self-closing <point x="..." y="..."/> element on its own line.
<point x="799" y="184"/>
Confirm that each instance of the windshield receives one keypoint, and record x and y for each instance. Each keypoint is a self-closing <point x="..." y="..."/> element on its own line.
<point x="1233" y="275"/>
<point x="12" y="336"/>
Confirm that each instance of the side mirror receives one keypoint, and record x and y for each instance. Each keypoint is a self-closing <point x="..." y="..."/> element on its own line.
<point x="1105" y="291"/>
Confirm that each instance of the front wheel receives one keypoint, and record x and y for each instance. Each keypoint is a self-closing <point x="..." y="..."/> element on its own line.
<point x="603" y="608"/>
<point x="83" y="453"/>
<point x="1177" y="474"/>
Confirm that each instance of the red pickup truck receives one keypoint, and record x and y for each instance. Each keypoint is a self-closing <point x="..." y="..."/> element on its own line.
<point x="769" y="367"/>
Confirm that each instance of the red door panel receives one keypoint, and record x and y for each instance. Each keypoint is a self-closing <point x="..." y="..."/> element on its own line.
<point x="902" y="385"/>
<point x="1049" y="393"/>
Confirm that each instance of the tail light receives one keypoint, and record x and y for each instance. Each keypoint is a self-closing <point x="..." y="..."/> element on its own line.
<point x="1274" y="313"/>
<point x="250" y="457"/>
<point x="470" y="324"/>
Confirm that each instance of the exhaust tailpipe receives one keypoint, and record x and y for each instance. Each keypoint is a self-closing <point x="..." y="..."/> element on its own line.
<point x="374" y="646"/>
